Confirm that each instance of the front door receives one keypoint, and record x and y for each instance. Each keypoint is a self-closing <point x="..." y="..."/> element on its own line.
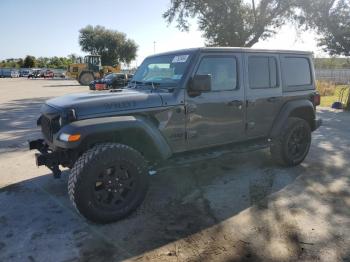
<point x="216" y="117"/>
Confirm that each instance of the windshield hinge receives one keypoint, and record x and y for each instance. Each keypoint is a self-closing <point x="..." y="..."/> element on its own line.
<point x="189" y="108"/>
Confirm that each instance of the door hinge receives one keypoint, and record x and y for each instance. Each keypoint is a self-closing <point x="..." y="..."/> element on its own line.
<point x="190" y="134"/>
<point x="250" y="125"/>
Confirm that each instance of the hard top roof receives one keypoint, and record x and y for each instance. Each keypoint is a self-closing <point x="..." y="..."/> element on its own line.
<point x="234" y="49"/>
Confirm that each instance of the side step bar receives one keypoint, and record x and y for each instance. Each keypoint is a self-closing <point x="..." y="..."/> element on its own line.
<point x="200" y="155"/>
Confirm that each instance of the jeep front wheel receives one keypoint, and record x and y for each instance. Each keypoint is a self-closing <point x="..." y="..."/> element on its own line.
<point x="108" y="182"/>
<point x="292" y="146"/>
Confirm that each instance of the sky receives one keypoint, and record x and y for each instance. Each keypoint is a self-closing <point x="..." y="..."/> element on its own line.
<point x="51" y="28"/>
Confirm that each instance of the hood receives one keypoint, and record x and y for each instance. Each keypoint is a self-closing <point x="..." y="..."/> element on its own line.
<point x="106" y="102"/>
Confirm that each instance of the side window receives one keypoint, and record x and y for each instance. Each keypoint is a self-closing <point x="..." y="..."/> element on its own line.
<point x="223" y="71"/>
<point x="262" y="72"/>
<point x="298" y="71"/>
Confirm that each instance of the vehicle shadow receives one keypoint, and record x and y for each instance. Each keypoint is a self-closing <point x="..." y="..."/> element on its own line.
<point x="235" y="208"/>
<point x="181" y="202"/>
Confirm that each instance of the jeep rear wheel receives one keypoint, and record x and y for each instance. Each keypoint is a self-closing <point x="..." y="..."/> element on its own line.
<point x="293" y="145"/>
<point x="108" y="182"/>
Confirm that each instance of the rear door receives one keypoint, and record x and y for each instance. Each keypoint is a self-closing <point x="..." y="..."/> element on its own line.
<point x="216" y="117"/>
<point x="264" y="92"/>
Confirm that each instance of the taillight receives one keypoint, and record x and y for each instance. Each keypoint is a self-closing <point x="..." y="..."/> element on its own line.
<point x="317" y="99"/>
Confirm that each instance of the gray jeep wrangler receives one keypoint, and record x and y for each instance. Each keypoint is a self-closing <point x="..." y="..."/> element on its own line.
<point x="189" y="104"/>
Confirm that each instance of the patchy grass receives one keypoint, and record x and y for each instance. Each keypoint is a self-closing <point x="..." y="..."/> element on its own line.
<point x="328" y="100"/>
<point x="325" y="88"/>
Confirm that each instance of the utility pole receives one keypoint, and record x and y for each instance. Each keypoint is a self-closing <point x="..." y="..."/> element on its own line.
<point x="154" y="47"/>
<point x="254" y="11"/>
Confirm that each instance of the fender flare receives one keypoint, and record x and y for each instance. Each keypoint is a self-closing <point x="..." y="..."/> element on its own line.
<point x="135" y="131"/>
<point x="288" y="110"/>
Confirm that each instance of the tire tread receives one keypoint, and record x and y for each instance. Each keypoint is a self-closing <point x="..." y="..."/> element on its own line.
<point x="78" y="168"/>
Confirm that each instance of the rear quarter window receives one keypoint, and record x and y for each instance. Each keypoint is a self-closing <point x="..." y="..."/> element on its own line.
<point x="297" y="73"/>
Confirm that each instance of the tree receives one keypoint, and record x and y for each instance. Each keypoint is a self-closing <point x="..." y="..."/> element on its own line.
<point x="42" y="62"/>
<point x="29" y="61"/>
<point x="331" y="20"/>
<point x="231" y="22"/>
<point x="20" y="63"/>
<point x="74" y="58"/>
<point x="113" y="46"/>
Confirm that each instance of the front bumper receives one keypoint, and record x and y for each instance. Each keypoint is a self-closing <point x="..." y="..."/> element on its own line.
<point x="46" y="157"/>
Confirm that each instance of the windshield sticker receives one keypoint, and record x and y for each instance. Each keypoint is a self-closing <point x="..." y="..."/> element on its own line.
<point x="180" y="59"/>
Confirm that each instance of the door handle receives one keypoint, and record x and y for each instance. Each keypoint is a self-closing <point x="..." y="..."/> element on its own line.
<point x="272" y="99"/>
<point x="236" y="103"/>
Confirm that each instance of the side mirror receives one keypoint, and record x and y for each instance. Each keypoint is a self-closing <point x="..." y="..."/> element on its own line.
<point x="199" y="84"/>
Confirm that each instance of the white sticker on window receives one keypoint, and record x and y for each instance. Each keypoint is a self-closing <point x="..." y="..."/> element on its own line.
<point x="180" y="58"/>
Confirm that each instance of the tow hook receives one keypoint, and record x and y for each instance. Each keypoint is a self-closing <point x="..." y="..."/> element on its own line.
<point x="46" y="158"/>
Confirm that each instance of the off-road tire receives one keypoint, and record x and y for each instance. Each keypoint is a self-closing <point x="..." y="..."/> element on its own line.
<point x="87" y="169"/>
<point x="86" y="78"/>
<point x="280" y="147"/>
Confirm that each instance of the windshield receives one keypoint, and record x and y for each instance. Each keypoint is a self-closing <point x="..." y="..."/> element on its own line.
<point x="164" y="69"/>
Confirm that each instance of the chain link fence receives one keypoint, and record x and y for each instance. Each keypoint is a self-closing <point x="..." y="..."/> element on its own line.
<point x="337" y="76"/>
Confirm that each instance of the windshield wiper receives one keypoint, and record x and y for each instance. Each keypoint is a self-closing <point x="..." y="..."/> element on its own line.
<point x="153" y="84"/>
<point x="134" y="83"/>
<point x="145" y="83"/>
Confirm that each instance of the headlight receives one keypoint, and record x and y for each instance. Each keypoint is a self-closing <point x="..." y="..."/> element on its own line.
<point x="64" y="137"/>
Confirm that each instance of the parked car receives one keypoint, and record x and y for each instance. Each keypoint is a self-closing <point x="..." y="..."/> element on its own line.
<point x="60" y="74"/>
<point x="110" y="81"/>
<point x="47" y="74"/>
<point x="180" y="106"/>
<point x="35" y="74"/>
<point x="24" y="72"/>
<point x="14" y="73"/>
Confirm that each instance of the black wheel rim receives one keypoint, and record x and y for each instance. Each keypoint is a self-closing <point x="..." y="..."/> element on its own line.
<point x="298" y="142"/>
<point x="114" y="186"/>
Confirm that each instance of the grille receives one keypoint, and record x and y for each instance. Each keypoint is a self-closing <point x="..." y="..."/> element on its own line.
<point x="49" y="127"/>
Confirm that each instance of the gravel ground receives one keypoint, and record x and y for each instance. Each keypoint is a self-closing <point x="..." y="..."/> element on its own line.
<point x="241" y="207"/>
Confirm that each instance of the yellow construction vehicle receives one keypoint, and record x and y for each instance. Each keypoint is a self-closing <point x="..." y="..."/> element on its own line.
<point x="90" y="69"/>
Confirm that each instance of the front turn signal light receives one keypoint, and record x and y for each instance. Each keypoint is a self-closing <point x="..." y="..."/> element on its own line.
<point x="69" y="138"/>
<point x="73" y="138"/>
